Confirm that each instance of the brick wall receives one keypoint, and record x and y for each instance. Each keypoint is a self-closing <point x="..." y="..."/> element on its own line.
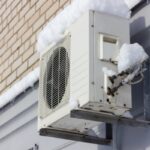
<point x="20" y="23"/>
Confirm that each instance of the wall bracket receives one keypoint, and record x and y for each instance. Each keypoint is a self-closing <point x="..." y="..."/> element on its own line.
<point x="108" y="118"/>
<point x="76" y="136"/>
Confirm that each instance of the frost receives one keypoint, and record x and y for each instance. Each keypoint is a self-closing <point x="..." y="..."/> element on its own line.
<point x="54" y="30"/>
<point x="19" y="87"/>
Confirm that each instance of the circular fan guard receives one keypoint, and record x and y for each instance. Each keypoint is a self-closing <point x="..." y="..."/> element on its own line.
<point x="57" y="76"/>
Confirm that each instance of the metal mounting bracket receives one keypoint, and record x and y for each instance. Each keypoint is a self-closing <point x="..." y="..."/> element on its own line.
<point x="108" y="118"/>
<point x="112" y="128"/>
<point x="73" y="135"/>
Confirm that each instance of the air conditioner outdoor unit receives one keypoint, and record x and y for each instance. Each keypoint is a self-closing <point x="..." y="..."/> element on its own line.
<point x="72" y="69"/>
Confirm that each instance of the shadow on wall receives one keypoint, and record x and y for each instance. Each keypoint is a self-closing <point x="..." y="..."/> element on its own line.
<point x="136" y="28"/>
<point x="141" y="92"/>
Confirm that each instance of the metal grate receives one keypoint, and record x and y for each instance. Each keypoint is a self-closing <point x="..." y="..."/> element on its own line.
<point x="57" y="76"/>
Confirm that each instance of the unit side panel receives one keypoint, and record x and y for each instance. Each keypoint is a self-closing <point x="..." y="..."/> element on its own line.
<point x="79" y="65"/>
<point x="114" y="27"/>
<point x="91" y="57"/>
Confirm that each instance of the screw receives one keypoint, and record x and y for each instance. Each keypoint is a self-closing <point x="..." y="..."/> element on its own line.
<point x="100" y="100"/>
<point x="92" y="82"/>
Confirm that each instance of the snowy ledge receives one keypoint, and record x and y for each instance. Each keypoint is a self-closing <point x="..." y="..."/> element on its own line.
<point x="58" y="26"/>
<point x="19" y="87"/>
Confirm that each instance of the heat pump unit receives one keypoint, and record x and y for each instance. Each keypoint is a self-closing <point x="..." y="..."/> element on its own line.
<point x="72" y="69"/>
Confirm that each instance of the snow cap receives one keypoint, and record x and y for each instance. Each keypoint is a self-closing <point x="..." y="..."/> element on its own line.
<point x="54" y="30"/>
<point x="130" y="56"/>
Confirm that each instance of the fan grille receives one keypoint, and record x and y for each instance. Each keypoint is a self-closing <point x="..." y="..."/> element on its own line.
<point x="57" y="77"/>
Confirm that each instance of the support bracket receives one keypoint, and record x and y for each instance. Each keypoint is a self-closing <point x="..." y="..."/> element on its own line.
<point x="112" y="122"/>
<point x="108" y="118"/>
<point x="77" y="136"/>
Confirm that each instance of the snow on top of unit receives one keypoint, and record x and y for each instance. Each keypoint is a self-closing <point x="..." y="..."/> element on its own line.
<point x="54" y="30"/>
<point x="19" y="87"/>
<point x="131" y="56"/>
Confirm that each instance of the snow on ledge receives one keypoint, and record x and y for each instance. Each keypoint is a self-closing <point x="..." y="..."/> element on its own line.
<point x="54" y="31"/>
<point x="19" y="87"/>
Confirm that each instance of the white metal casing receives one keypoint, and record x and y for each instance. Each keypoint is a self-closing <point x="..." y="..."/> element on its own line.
<point x="86" y="79"/>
